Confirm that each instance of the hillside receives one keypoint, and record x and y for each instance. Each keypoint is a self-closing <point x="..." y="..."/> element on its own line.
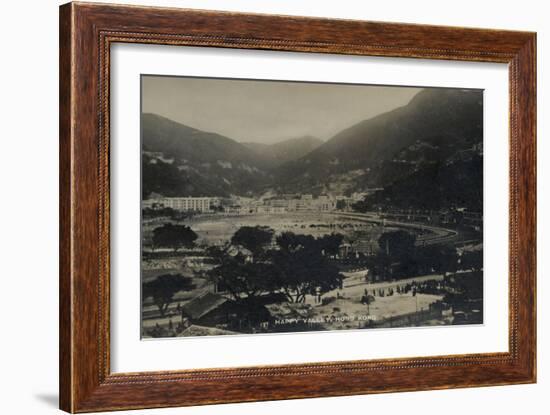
<point x="433" y="126"/>
<point x="435" y="187"/>
<point x="420" y="154"/>
<point x="178" y="160"/>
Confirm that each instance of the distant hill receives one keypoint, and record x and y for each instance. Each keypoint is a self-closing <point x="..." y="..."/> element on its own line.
<point x="427" y="153"/>
<point x="434" y="125"/>
<point x="178" y="160"/>
<point x="189" y="144"/>
<point x="285" y="151"/>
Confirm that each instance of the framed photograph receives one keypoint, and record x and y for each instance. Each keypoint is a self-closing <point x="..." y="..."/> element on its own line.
<point x="259" y="207"/>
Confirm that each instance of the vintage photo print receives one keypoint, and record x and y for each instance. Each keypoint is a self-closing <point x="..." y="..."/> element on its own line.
<point x="282" y="206"/>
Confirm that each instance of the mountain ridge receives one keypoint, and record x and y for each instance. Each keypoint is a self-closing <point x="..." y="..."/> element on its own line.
<point x="285" y="150"/>
<point x="438" y="127"/>
<point x="178" y="160"/>
<point x="445" y="118"/>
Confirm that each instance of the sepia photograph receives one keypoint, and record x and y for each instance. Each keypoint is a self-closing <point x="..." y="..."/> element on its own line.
<point x="274" y="206"/>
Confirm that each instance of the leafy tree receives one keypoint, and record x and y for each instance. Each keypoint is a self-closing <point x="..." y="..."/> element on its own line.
<point x="174" y="236"/>
<point x="163" y="288"/>
<point x="445" y="260"/>
<point x="429" y="259"/>
<point x="245" y="281"/>
<point x="330" y="244"/>
<point x="397" y="244"/>
<point x="299" y="267"/>
<point x="472" y="260"/>
<point x="302" y="268"/>
<point x="243" y="278"/>
<point x="291" y="242"/>
<point x="253" y="238"/>
<point x="466" y="287"/>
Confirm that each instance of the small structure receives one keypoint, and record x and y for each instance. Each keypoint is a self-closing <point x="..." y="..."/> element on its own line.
<point x="207" y="307"/>
<point x="214" y="310"/>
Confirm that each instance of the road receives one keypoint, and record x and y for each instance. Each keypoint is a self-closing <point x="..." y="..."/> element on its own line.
<point x="358" y="279"/>
<point x="435" y="235"/>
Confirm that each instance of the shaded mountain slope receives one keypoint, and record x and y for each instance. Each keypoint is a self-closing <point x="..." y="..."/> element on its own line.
<point x="446" y="120"/>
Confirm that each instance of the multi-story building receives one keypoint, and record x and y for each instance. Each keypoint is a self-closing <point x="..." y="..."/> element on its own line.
<point x="301" y="204"/>
<point x="196" y="204"/>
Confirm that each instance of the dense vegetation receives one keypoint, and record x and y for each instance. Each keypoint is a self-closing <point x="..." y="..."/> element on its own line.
<point x="250" y="266"/>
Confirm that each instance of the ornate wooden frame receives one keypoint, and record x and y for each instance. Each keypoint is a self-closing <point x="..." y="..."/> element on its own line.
<point x="86" y="33"/>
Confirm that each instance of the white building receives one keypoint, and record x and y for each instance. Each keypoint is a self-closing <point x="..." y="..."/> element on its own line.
<point x="196" y="204"/>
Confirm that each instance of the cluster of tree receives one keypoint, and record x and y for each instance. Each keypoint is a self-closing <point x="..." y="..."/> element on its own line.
<point x="174" y="237"/>
<point x="163" y="288"/>
<point x="255" y="263"/>
<point x="397" y="244"/>
<point x="297" y="265"/>
<point x="466" y="287"/>
<point x="472" y="260"/>
<point x="303" y="267"/>
<point x="439" y="185"/>
<point x="256" y="239"/>
<point x="399" y="257"/>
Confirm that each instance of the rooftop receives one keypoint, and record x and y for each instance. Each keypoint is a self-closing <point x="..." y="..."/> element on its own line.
<point x="202" y="305"/>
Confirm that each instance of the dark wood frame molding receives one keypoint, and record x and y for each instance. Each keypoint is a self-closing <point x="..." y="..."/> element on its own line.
<point x="86" y="33"/>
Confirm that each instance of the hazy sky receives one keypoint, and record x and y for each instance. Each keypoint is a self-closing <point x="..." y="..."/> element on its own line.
<point x="267" y="111"/>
